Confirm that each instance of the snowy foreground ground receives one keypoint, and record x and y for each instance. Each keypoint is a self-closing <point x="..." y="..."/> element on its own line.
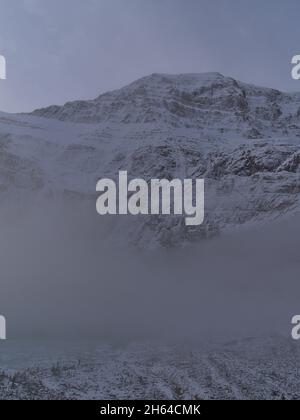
<point x="245" y="369"/>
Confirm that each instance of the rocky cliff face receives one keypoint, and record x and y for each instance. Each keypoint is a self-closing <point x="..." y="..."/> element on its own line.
<point x="244" y="140"/>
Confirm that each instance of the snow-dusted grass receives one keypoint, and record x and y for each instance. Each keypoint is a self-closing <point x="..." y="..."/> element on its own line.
<point x="246" y="369"/>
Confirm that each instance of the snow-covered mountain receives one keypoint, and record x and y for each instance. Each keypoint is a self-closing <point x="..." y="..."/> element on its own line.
<point x="244" y="140"/>
<point x="201" y="101"/>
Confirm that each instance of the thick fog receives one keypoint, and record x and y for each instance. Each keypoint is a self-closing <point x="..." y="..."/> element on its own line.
<point x="62" y="277"/>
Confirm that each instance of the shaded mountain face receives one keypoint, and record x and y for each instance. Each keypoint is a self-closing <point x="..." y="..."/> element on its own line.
<point x="244" y="140"/>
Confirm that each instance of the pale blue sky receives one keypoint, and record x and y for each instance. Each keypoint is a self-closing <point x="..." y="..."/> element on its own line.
<point x="59" y="50"/>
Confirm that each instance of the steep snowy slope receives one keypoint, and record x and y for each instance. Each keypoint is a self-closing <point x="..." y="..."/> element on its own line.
<point x="244" y="140"/>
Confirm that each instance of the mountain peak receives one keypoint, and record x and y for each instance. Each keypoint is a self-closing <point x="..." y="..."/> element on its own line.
<point x="192" y="77"/>
<point x="186" y="80"/>
<point x="148" y="95"/>
<point x="193" y="100"/>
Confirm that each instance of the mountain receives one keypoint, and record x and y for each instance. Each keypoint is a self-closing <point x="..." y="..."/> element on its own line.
<point x="243" y="139"/>
<point x="200" y="101"/>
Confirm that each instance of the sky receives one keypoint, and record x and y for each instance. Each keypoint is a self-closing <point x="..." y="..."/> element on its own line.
<point x="61" y="50"/>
